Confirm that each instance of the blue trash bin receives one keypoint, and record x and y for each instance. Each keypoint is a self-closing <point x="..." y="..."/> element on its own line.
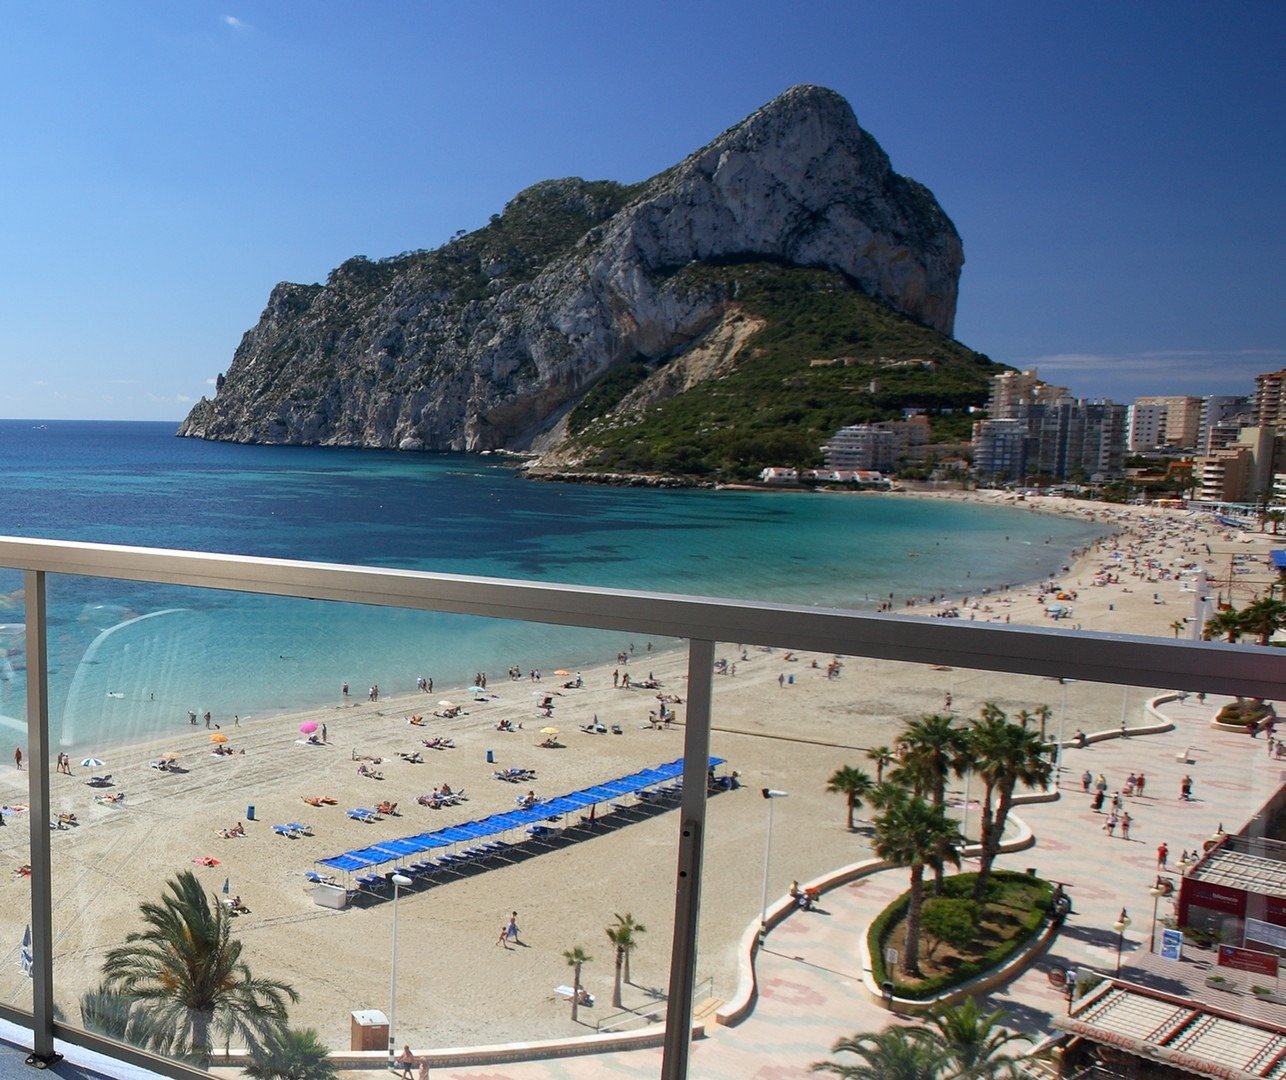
<point x="491" y="758"/>
<point x="250" y="812"/>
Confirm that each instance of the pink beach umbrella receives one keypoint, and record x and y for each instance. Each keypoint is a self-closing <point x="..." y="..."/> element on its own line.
<point x="308" y="727"/>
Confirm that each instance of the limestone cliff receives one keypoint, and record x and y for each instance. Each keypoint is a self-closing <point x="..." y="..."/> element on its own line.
<point x="490" y="341"/>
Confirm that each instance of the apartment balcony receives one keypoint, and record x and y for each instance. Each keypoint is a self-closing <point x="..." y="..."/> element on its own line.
<point x="103" y="643"/>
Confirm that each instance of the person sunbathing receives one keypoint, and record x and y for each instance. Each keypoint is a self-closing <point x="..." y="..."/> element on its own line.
<point x="386" y="807"/>
<point x="418" y="721"/>
<point x="68" y="819"/>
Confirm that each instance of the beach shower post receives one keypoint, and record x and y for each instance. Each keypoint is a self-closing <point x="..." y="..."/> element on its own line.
<point x="402" y="880"/>
<point x="769" y="794"/>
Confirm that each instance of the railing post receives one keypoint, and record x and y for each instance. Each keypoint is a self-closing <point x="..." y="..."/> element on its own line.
<point x="42" y="931"/>
<point x="687" y="900"/>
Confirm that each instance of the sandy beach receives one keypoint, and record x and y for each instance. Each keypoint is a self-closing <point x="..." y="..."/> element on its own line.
<point x="779" y="722"/>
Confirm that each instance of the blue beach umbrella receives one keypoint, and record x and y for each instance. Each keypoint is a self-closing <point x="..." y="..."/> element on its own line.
<point x="25" y="959"/>
<point x="90" y="763"/>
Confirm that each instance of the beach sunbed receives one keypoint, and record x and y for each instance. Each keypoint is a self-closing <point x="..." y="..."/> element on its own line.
<point x="284" y="830"/>
<point x="362" y="814"/>
<point x="299" y="828"/>
<point x="100" y="781"/>
<point x="319" y="879"/>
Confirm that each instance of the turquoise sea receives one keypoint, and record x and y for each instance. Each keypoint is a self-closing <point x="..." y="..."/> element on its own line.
<point x="129" y="660"/>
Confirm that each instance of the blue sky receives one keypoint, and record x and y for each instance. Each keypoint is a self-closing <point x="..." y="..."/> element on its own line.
<point x="1115" y="170"/>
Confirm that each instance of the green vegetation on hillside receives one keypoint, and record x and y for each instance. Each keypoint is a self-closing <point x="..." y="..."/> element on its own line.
<point x="828" y="356"/>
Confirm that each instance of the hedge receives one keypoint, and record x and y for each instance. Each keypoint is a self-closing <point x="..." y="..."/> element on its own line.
<point x="956" y="886"/>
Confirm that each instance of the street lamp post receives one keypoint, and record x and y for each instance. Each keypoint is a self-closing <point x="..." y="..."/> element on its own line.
<point x="1122" y="921"/>
<point x="403" y="881"/>
<point x="769" y="794"/>
<point x="1158" y="890"/>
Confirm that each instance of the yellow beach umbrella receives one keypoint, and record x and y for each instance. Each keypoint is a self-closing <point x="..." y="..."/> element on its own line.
<point x="219" y="738"/>
<point x="549" y="731"/>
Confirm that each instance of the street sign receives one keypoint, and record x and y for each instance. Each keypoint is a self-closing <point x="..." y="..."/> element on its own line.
<point x="1171" y="944"/>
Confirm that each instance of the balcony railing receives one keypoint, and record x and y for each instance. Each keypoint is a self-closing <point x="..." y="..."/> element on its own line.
<point x="1214" y="668"/>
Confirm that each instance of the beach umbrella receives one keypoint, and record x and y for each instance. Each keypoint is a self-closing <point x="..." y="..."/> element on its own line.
<point x="561" y="671"/>
<point x="226" y="882"/>
<point x="446" y="705"/>
<point x="219" y="737"/>
<point x="308" y="727"/>
<point x="25" y="959"/>
<point x="477" y="690"/>
<point x="90" y="763"/>
<point x="549" y="731"/>
<point x="170" y="755"/>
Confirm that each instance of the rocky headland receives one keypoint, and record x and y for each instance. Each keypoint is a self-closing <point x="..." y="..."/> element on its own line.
<point x="581" y="317"/>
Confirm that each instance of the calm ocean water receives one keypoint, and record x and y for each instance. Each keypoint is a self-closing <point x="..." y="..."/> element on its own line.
<point x="128" y="660"/>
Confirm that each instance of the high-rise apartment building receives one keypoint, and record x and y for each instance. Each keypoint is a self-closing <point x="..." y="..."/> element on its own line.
<point x="1164" y="423"/>
<point x="1039" y="430"/>
<point x="1270" y="399"/>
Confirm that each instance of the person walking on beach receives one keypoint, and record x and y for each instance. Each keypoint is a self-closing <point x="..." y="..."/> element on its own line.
<point x="1163" y="853"/>
<point x="343" y="689"/>
<point x="511" y="929"/>
<point x="17" y="756"/>
<point x="324" y="739"/>
<point x="503" y="939"/>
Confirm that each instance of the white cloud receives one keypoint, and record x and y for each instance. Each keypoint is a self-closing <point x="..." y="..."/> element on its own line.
<point x="1125" y="376"/>
<point x="234" y="22"/>
<point x="182" y="399"/>
<point x="211" y="382"/>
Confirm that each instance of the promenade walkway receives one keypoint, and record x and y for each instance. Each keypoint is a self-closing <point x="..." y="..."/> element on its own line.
<point x="809" y="977"/>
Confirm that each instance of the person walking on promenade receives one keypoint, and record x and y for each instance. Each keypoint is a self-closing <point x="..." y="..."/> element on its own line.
<point x="1098" y="802"/>
<point x="1109" y="826"/>
<point x="1126" y="821"/>
<point x="1185" y="788"/>
<point x="1163" y="853"/>
<point x="1086" y="780"/>
<point x="405" y="1062"/>
<point x="1139" y="781"/>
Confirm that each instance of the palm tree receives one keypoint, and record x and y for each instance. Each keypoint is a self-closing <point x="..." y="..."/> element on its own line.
<point x="1006" y="755"/>
<point x="852" y="783"/>
<point x="973" y="1041"/>
<point x="1273" y="518"/>
<point x="1263" y="618"/>
<point x="1178" y="627"/>
<point x="621" y="935"/>
<point x="1223" y="622"/>
<point x="896" y="1053"/>
<point x="185" y="970"/>
<point x="932" y="751"/>
<point x="883" y="757"/>
<point x="911" y="831"/>
<point x="1043" y="713"/>
<point x="292" y="1054"/>
<point x="576" y="957"/>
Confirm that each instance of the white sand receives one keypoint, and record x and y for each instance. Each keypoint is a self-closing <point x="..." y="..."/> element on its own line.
<point x="456" y="986"/>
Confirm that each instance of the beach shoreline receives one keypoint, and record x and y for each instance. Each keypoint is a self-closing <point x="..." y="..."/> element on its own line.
<point x="775" y="731"/>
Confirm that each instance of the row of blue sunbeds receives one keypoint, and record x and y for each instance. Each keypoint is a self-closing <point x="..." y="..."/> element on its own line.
<point x="481" y="836"/>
